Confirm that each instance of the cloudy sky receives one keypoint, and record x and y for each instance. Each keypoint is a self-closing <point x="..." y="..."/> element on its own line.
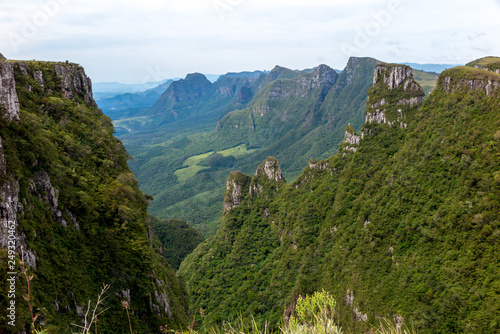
<point x="136" y="41"/>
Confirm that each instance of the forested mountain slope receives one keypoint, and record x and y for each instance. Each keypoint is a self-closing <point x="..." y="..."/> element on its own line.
<point x="402" y="223"/>
<point x="75" y="209"/>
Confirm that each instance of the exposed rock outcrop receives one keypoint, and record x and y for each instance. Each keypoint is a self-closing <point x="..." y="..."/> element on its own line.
<point x="376" y="117"/>
<point x="490" y="86"/>
<point x="236" y="190"/>
<point x="75" y="81"/>
<point x="319" y="165"/>
<point x="349" y="300"/>
<point x="406" y="92"/>
<point x="324" y="75"/>
<point x="10" y="207"/>
<point x="42" y="187"/>
<point x="271" y="168"/>
<point x="38" y="75"/>
<point x="240" y="185"/>
<point x="413" y="101"/>
<point x="351" y="139"/>
<point x="162" y="299"/>
<point x="302" y="86"/>
<point x="8" y="95"/>
<point x="395" y="76"/>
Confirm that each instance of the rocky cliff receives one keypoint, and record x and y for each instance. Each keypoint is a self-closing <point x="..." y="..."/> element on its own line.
<point x="195" y="98"/>
<point x="394" y="91"/>
<point x="8" y="95"/>
<point x="236" y="190"/>
<point x="70" y="207"/>
<point x="469" y="79"/>
<point x="351" y="139"/>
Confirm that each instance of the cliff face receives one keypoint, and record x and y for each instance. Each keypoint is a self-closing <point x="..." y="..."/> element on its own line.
<point x="240" y="186"/>
<point x="8" y="95"/>
<point x="283" y="88"/>
<point x="469" y="79"/>
<point x="351" y="139"/>
<point x="73" y="81"/>
<point x="394" y="91"/>
<point x="196" y="100"/>
<point x="236" y="190"/>
<point x="271" y="169"/>
<point x="75" y="211"/>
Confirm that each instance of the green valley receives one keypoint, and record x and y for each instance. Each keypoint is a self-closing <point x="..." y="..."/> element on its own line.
<point x="293" y="115"/>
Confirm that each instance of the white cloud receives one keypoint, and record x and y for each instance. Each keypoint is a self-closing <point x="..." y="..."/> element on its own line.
<point x="122" y="40"/>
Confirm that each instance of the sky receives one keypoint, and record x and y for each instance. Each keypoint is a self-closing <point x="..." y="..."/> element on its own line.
<point x="137" y="41"/>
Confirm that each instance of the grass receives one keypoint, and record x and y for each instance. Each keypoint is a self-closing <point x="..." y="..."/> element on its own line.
<point x="471" y="73"/>
<point x="194" y="160"/>
<point x="486" y="61"/>
<point x="185" y="174"/>
<point x="237" y="151"/>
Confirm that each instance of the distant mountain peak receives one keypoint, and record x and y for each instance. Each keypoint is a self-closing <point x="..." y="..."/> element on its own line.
<point x="196" y="76"/>
<point x="325" y="74"/>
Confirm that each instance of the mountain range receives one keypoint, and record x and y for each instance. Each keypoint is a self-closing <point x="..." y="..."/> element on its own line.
<point x="242" y="118"/>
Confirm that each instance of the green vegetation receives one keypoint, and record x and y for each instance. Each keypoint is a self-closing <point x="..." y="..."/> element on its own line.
<point x="426" y="80"/>
<point x="468" y="73"/>
<point x="177" y="239"/>
<point x="281" y="118"/>
<point x="194" y="160"/>
<point x="80" y="215"/>
<point x="237" y="151"/>
<point x="405" y="227"/>
<point x="489" y="63"/>
<point x="187" y="173"/>
<point x="314" y="314"/>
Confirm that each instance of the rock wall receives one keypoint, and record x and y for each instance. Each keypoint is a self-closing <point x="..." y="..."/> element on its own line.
<point x="73" y="81"/>
<point x="407" y="92"/>
<point x="351" y="139"/>
<point x="271" y="168"/>
<point x="451" y="84"/>
<point x="302" y="86"/>
<point x="395" y="76"/>
<point x="236" y="190"/>
<point x="8" y="95"/>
